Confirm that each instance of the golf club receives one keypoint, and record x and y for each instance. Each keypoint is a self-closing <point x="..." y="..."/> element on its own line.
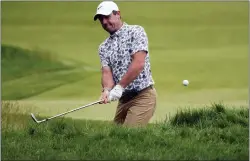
<point x="37" y="121"/>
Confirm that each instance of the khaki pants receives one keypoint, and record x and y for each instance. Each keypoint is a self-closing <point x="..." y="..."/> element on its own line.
<point x="136" y="110"/>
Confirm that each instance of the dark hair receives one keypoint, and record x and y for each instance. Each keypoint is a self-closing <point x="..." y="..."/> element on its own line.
<point x="115" y="12"/>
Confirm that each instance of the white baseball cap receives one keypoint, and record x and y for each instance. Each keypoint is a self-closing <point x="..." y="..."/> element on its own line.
<point x="106" y="8"/>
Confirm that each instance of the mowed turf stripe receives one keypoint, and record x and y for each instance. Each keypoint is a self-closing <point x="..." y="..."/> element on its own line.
<point x="38" y="83"/>
<point x="18" y="62"/>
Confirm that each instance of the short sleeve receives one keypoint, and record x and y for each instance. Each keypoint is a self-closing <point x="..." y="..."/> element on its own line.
<point x="139" y="40"/>
<point x="103" y="57"/>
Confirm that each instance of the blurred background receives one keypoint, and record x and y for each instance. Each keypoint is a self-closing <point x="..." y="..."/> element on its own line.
<point x="50" y="56"/>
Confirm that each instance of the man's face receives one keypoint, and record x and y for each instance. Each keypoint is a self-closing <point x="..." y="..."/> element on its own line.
<point x="109" y="23"/>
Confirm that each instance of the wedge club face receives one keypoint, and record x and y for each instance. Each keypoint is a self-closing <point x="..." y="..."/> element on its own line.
<point x="34" y="118"/>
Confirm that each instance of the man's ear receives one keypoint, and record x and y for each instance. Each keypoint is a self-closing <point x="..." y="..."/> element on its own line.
<point x="116" y="12"/>
<point x="119" y="13"/>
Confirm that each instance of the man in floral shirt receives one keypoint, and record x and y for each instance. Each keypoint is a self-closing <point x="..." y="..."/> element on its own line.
<point x="126" y="73"/>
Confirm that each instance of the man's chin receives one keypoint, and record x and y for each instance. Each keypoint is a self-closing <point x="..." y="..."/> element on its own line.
<point x="110" y="31"/>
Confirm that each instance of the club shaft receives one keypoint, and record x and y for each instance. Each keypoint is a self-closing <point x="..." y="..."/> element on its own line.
<point x="72" y="110"/>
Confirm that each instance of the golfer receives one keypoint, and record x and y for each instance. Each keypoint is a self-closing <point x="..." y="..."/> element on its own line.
<point x="126" y="72"/>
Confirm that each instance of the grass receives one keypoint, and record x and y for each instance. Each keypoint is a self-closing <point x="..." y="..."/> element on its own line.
<point x="68" y="139"/>
<point x="28" y="73"/>
<point x="215" y="116"/>
<point x="17" y="62"/>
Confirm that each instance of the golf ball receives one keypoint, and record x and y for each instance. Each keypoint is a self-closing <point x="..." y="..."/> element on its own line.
<point x="185" y="82"/>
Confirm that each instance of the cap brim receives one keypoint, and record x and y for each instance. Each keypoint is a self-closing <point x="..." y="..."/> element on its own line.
<point x="101" y="13"/>
<point x="96" y="17"/>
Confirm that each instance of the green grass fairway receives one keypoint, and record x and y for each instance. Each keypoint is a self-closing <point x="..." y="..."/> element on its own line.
<point x="204" y="42"/>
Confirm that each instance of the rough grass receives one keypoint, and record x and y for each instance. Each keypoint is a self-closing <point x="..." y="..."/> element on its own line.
<point x="178" y="138"/>
<point x="214" y="116"/>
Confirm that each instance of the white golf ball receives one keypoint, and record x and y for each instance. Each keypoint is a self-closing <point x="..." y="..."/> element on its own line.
<point x="185" y="82"/>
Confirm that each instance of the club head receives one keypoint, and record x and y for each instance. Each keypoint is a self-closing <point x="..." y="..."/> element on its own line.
<point x="34" y="118"/>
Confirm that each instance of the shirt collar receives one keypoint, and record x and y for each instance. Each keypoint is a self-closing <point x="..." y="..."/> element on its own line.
<point x="118" y="32"/>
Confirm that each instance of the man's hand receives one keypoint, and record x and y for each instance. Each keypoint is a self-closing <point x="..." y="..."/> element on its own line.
<point x="116" y="93"/>
<point x="104" y="97"/>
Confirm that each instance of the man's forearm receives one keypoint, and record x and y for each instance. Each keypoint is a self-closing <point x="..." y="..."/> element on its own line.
<point x="107" y="79"/>
<point x="107" y="82"/>
<point x="134" y="70"/>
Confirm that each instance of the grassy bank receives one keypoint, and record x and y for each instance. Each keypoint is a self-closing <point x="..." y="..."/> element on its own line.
<point x="27" y="73"/>
<point x="18" y="62"/>
<point x="214" y="132"/>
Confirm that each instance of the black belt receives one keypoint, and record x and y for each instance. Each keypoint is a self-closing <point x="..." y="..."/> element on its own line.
<point x="128" y="95"/>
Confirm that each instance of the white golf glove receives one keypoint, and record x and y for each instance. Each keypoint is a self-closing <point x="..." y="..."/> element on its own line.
<point x="116" y="93"/>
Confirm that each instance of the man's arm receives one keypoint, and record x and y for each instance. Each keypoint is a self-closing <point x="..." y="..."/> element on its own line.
<point x="107" y="78"/>
<point x="107" y="83"/>
<point x="138" y="52"/>
<point x="135" y="68"/>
